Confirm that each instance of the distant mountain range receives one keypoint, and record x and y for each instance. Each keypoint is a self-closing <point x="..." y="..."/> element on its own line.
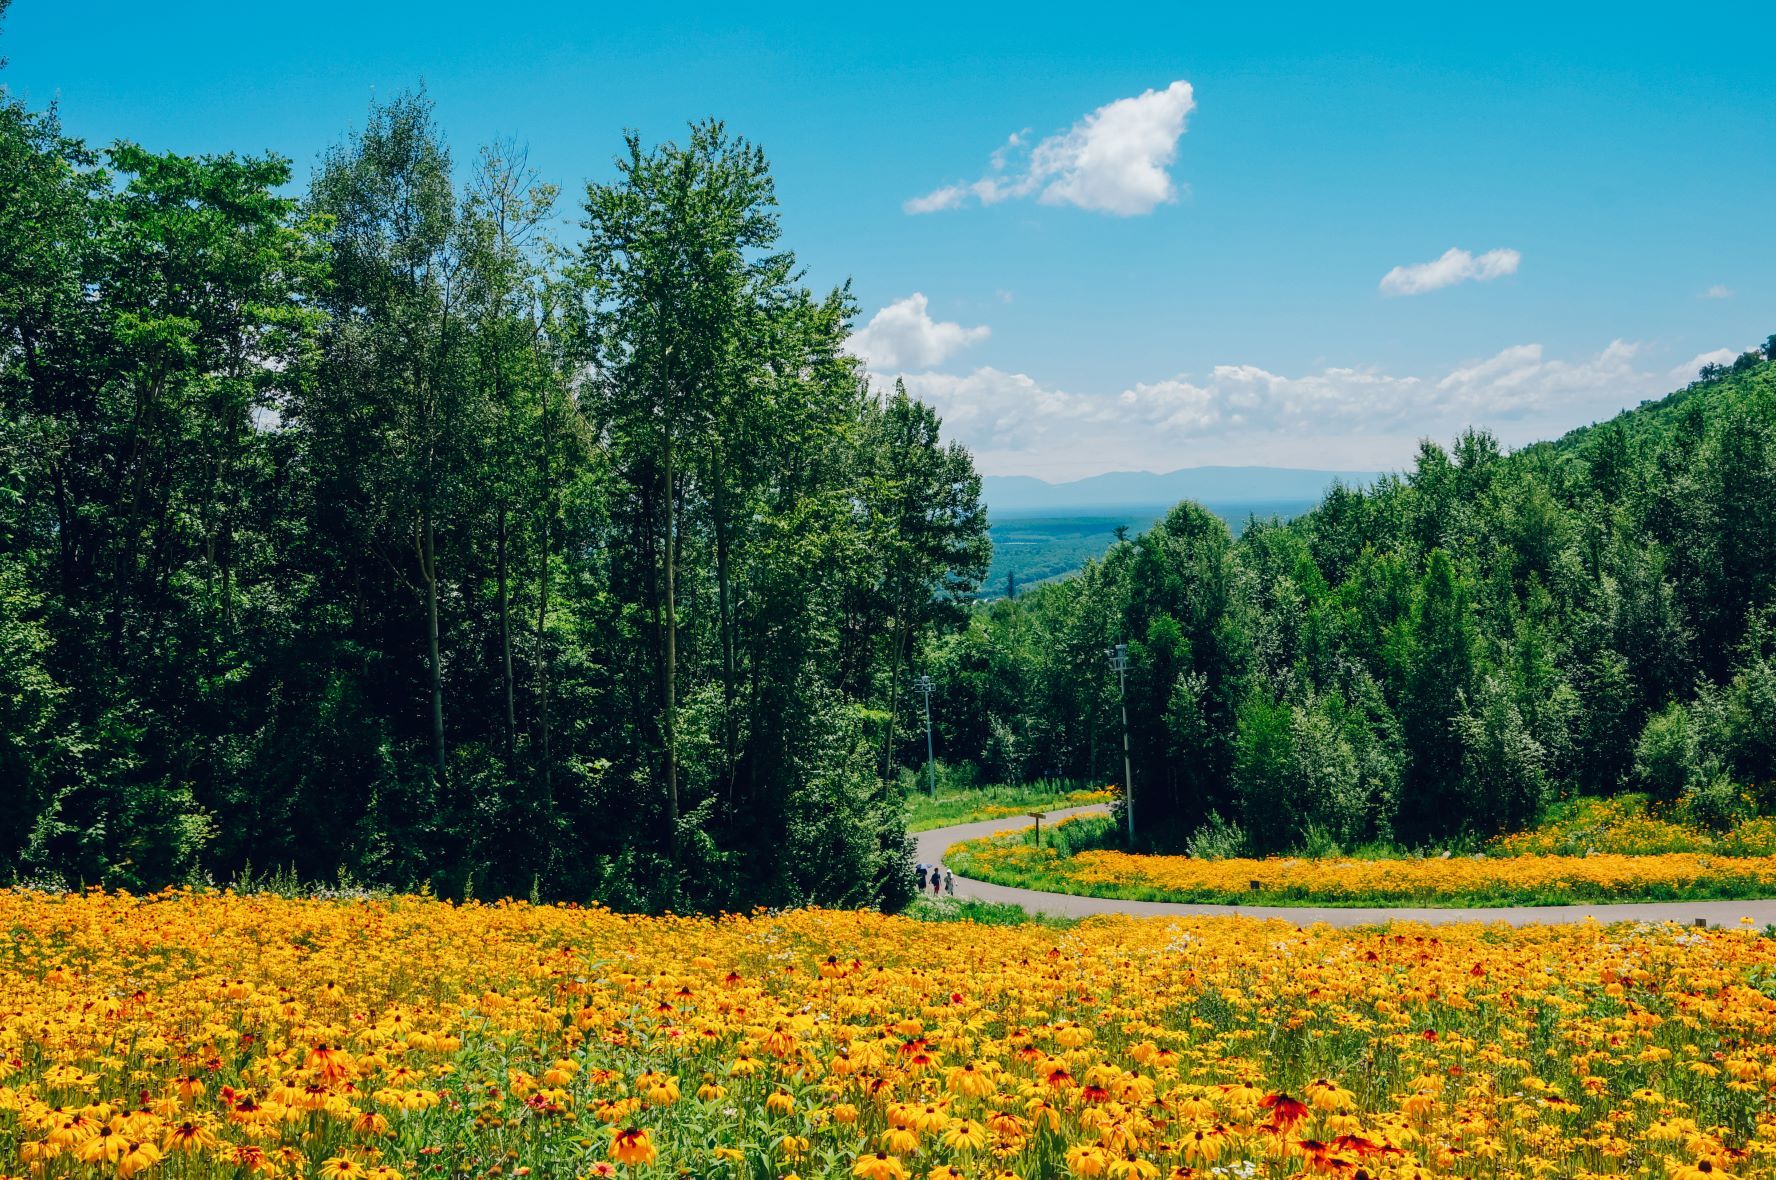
<point x="1143" y="492"/>
<point x="1045" y="530"/>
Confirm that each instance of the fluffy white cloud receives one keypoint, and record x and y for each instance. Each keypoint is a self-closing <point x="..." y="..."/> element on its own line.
<point x="1455" y="266"/>
<point x="1686" y="372"/>
<point x="1353" y="418"/>
<point x="1718" y="291"/>
<point x="903" y="335"/>
<point x="1114" y="160"/>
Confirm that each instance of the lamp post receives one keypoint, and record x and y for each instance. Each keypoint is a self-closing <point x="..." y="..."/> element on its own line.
<point x="1119" y="662"/>
<point x="924" y="685"/>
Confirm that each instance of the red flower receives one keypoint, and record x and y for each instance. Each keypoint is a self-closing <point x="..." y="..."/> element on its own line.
<point x="1285" y="1111"/>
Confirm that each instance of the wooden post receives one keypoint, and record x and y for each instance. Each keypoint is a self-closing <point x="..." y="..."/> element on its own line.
<point x="1037" y="816"/>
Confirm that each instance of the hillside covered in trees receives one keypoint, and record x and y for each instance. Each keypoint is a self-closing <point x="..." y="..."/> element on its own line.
<point x="434" y="529"/>
<point x="1432" y="658"/>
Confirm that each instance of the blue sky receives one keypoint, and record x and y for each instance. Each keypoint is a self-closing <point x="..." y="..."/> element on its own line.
<point x="1169" y="276"/>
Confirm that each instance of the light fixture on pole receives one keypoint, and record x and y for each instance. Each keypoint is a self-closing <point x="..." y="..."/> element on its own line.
<point x="924" y="686"/>
<point x="1119" y="662"/>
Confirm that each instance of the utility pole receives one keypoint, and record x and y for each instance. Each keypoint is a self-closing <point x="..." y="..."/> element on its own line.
<point x="924" y="686"/>
<point x="1119" y="662"/>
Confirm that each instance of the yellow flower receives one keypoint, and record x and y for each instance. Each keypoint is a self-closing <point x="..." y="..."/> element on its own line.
<point x="632" y="1146"/>
<point x="1087" y="1160"/>
<point x="1133" y="1167"/>
<point x="969" y="1081"/>
<point x="1702" y="1169"/>
<point x="900" y="1140"/>
<point x="965" y="1135"/>
<point x="879" y="1166"/>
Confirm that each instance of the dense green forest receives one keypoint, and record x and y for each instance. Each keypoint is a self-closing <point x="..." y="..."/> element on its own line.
<point x="426" y="527"/>
<point x="1435" y="657"/>
<point x="432" y="529"/>
<point x="1030" y="547"/>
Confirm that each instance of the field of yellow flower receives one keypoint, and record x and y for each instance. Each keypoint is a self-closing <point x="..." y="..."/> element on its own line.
<point x="969" y="805"/>
<point x="1011" y="858"/>
<point x="1626" y="824"/>
<point x="203" y="1035"/>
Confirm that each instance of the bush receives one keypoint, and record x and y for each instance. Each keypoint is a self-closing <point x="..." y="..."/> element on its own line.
<point x="1217" y="839"/>
<point x="1665" y="756"/>
<point x="1320" y="844"/>
<point x="1715" y="803"/>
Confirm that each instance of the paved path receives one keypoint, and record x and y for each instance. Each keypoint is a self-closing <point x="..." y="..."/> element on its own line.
<point x="932" y="845"/>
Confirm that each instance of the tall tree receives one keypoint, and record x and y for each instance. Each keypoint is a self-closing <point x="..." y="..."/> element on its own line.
<point x="674" y="254"/>
<point x="927" y="528"/>
<point x="395" y="350"/>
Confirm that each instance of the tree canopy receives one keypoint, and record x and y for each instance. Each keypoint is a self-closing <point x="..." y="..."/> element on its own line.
<point x="381" y="531"/>
<point x="1433" y="658"/>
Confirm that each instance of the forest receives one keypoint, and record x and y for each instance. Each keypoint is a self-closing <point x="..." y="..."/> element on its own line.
<point x="429" y="527"/>
<point x="1435" y="658"/>
<point x="434" y="529"/>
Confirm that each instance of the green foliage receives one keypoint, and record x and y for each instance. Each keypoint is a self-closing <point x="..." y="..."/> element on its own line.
<point x="377" y="534"/>
<point x="959" y="802"/>
<point x="981" y="913"/>
<point x="1666" y="759"/>
<point x="1217" y="839"/>
<point x="1427" y="662"/>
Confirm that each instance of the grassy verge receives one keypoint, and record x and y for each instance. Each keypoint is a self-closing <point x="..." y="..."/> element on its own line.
<point x="1075" y="862"/>
<point x="981" y="913"/>
<point x="969" y="805"/>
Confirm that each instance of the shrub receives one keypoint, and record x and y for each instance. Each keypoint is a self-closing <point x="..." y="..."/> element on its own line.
<point x="1218" y="839"/>
<point x="1665" y="756"/>
<point x="1714" y="803"/>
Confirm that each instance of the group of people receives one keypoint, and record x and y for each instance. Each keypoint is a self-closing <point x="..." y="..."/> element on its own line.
<point x="940" y="879"/>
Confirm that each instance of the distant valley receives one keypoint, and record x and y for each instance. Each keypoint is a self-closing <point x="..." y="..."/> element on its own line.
<point x="1045" y="530"/>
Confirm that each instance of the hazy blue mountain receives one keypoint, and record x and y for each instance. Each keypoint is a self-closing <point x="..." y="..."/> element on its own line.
<point x="1045" y="530"/>
<point x="1127" y="491"/>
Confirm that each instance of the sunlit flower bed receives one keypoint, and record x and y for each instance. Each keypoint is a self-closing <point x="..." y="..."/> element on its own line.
<point x="1011" y="858"/>
<point x="205" y="1036"/>
<point x="1623" y="823"/>
<point x="1083" y="798"/>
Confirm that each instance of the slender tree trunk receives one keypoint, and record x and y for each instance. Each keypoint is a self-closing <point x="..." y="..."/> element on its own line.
<point x="548" y="506"/>
<point x="899" y="650"/>
<point x="730" y="720"/>
<point x="505" y="621"/>
<point x="670" y="669"/>
<point x="430" y="561"/>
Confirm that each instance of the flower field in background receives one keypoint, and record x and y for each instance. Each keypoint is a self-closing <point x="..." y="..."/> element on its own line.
<point x="1010" y="858"/>
<point x="190" y="1036"/>
<point x="973" y="804"/>
<point x="1071" y="799"/>
<point x="1624" y="824"/>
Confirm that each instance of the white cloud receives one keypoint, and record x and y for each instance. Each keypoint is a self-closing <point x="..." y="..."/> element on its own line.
<point x="1455" y="266"/>
<point x="1685" y="373"/>
<point x="1338" y="417"/>
<point x="903" y="335"/>
<point x="948" y="197"/>
<point x="1718" y="291"/>
<point x="1114" y="160"/>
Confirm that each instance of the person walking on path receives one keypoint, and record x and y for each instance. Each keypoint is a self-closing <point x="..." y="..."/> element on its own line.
<point x="949" y="882"/>
<point x="936" y="880"/>
<point x="920" y="869"/>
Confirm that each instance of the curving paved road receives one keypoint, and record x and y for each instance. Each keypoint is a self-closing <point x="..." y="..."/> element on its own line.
<point x="932" y="845"/>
